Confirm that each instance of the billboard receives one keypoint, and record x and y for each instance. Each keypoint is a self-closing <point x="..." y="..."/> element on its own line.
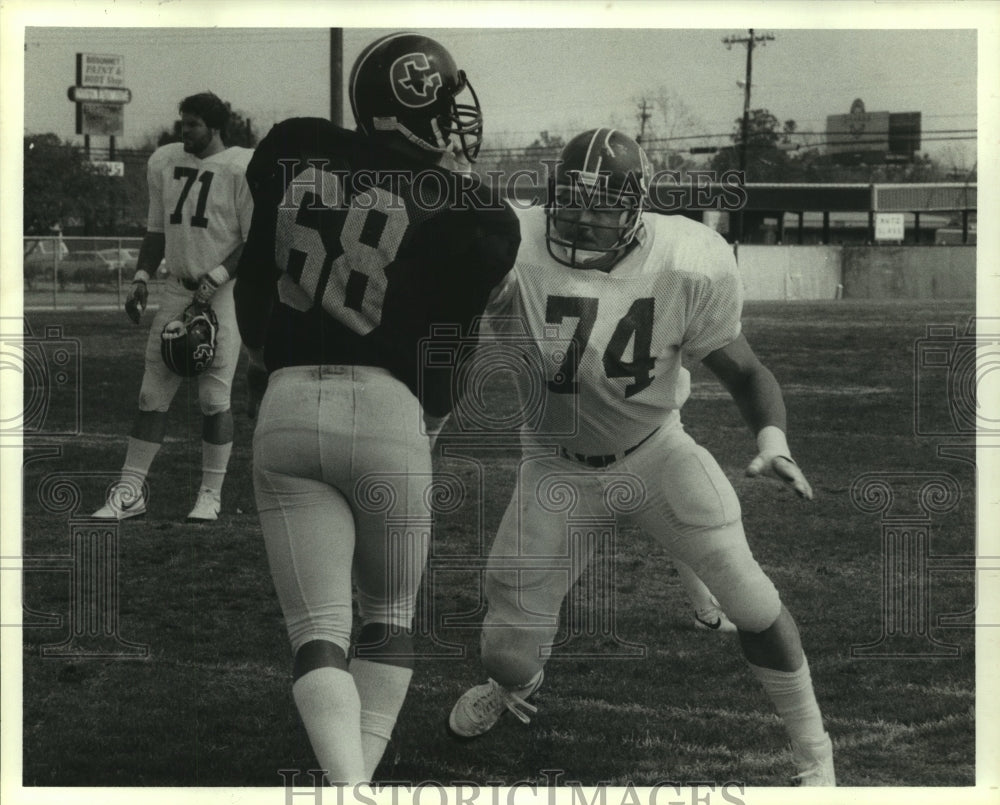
<point x="872" y="136"/>
<point x="100" y="70"/>
<point x="100" y="94"/>
<point x="857" y="132"/>
<point x="107" y="119"/>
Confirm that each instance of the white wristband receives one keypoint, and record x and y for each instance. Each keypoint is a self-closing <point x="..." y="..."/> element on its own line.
<point x="218" y="275"/>
<point x="771" y="441"/>
<point x="141" y="276"/>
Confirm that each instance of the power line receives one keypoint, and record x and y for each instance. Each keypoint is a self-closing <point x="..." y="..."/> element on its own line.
<point x="653" y="146"/>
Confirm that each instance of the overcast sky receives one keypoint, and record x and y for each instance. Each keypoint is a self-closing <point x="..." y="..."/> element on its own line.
<point x="530" y="78"/>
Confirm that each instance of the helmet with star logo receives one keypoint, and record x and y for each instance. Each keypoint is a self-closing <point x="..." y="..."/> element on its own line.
<point x="405" y="84"/>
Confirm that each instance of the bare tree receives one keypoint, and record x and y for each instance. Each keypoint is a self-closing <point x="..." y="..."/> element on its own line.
<point x="668" y="119"/>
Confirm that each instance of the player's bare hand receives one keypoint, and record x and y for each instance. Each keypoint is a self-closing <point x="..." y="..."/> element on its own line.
<point x="783" y="469"/>
<point x="135" y="304"/>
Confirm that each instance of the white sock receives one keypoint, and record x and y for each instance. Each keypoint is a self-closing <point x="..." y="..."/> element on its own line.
<point x="214" y="460"/>
<point x="795" y="701"/>
<point x="328" y="704"/>
<point x="381" y="689"/>
<point x="139" y="457"/>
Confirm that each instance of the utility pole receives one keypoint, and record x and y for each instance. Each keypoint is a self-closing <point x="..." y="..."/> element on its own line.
<point x="643" y="117"/>
<point x="749" y="41"/>
<point x="337" y="76"/>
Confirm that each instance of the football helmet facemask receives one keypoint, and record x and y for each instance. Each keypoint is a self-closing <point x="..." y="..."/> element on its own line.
<point x="596" y="197"/>
<point x="407" y="83"/>
<point x="187" y="344"/>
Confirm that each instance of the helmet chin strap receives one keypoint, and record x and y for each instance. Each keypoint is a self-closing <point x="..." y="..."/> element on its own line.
<point x="454" y="160"/>
<point x="586" y="259"/>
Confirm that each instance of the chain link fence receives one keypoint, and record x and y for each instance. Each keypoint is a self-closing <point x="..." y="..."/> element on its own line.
<point x="78" y="272"/>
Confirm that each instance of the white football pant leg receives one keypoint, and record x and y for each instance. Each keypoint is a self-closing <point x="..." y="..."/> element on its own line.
<point x="692" y="509"/>
<point x="159" y="384"/>
<point x="215" y="385"/>
<point x="341" y="471"/>
<point x="533" y="564"/>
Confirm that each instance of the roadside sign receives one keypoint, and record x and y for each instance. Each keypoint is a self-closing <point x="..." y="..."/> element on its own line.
<point x="100" y="70"/>
<point x="889" y="226"/>
<point x="109" y="167"/>
<point x="107" y="119"/>
<point x="100" y="94"/>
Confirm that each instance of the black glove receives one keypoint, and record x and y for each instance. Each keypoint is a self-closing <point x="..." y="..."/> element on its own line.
<point x="138" y="296"/>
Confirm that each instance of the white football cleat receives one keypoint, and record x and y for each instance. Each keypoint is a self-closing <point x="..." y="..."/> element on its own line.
<point x="713" y="619"/>
<point x="479" y="708"/>
<point x="124" y="502"/>
<point x="206" y="507"/>
<point x="815" y="764"/>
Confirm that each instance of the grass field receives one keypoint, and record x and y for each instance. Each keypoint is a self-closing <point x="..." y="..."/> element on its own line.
<point x="210" y="705"/>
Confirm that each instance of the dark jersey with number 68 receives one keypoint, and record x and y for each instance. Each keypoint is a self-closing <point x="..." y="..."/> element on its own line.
<point x="357" y="255"/>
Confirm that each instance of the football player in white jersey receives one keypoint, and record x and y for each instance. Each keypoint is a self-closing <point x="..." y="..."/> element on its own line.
<point x="615" y="300"/>
<point x="199" y="215"/>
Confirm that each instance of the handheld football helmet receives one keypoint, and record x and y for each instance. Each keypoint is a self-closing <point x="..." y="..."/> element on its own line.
<point x="187" y="344"/>
<point x="596" y="197"/>
<point x="407" y="83"/>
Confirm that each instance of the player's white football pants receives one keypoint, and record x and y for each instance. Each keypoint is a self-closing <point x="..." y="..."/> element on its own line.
<point x="341" y="475"/>
<point x="159" y="384"/>
<point x="563" y="511"/>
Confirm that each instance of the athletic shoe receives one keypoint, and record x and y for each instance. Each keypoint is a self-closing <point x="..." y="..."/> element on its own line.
<point x="712" y="619"/>
<point x="123" y="504"/>
<point x="206" y="507"/>
<point x="479" y="708"/>
<point x="815" y="764"/>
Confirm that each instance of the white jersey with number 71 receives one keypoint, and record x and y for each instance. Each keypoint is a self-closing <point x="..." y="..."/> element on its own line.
<point x="203" y="206"/>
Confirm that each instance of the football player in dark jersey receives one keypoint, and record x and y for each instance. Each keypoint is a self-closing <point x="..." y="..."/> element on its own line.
<point x="366" y="248"/>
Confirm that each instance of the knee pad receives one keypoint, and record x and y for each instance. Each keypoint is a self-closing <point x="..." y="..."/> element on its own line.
<point x="385" y="643"/>
<point x="331" y="626"/>
<point x="214" y="409"/>
<point x="151" y="401"/>
<point x="743" y="590"/>
<point x="213" y="402"/>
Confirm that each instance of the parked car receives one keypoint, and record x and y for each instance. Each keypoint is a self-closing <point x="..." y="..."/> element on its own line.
<point x="98" y="268"/>
<point x="123" y="259"/>
<point x="40" y="256"/>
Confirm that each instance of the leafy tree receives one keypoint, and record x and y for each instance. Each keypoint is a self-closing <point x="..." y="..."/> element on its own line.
<point x="765" y="159"/>
<point x="59" y="182"/>
<point x="239" y="131"/>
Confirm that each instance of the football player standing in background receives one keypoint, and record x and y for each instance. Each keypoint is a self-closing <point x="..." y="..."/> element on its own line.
<point x="630" y="295"/>
<point x="199" y="214"/>
<point x="359" y="246"/>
